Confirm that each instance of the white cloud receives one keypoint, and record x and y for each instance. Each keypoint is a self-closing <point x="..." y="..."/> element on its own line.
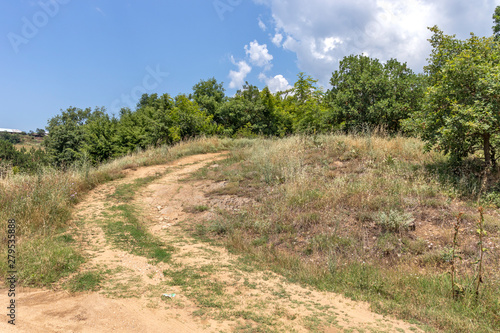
<point x="277" y="39"/>
<point x="258" y="54"/>
<point x="275" y="84"/>
<point x="238" y="77"/>
<point x="322" y="32"/>
<point x="262" y="25"/>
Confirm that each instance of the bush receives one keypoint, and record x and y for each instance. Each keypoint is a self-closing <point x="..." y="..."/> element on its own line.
<point x="395" y="221"/>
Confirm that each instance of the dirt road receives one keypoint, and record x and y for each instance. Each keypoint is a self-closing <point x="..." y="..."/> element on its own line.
<point x="215" y="291"/>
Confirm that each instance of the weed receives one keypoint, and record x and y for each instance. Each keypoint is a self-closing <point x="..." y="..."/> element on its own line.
<point x="66" y="238"/>
<point x="218" y="227"/>
<point x="481" y="233"/>
<point x="395" y="221"/>
<point x="454" y="291"/>
<point x="201" y="208"/>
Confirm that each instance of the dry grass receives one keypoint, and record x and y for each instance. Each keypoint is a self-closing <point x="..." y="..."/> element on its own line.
<point x="369" y="215"/>
<point x="41" y="204"/>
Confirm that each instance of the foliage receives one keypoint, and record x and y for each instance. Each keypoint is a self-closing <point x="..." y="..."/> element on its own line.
<point x="395" y="221"/>
<point x="366" y="93"/>
<point x="22" y="160"/>
<point x="67" y="136"/>
<point x="79" y="135"/>
<point x="12" y="138"/>
<point x="209" y="95"/>
<point x="461" y="115"/>
<point x="249" y="111"/>
<point x="84" y="135"/>
<point x="100" y="131"/>
<point x="496" y="20"/>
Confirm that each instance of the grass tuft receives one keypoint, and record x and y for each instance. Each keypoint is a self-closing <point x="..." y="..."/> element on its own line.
<point x="87" y="281"/>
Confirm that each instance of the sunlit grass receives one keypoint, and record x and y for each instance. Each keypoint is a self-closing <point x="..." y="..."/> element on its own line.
<point x="42" y="204"/>
<point x="340" y="212"/>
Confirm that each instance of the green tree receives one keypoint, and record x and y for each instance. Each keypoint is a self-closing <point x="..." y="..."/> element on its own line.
<point x="461" y="113"/>
<point x="8" y="152"/>
<point x="305" y="89"/>
<point x="189" y="120"/>
<point x="496" y="20"/>
<point x="26" y="161"/>
<point x="302" y="109"/>
<point x="66" y="136"/>
<point x="249" y="112"/>
<point x="209" y="95"/>
<point x="100" y="136"/>
<point x="40" y="132"/>
<point x="12" y="138"/>
<point x="161" y="120"/>
<point x="366" y="93"/>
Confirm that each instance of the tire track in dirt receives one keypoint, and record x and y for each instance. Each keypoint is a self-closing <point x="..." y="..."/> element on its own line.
<point x="215" y="290"/>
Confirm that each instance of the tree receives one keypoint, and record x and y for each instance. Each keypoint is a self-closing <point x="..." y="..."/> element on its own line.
<point x="100" y="136"/>
<point x="8" y="152"/>
<point x="461" y="113"/>
<point x="66" y="136"/>
<point x="12" y="138"/>
<point x="40" y="132"/>
<point x="23" y="160"/>
<point x="366" y="93"/>
<point x="209" y="95"/>
<point x="305" y="89"/>
<point x="189" y="120"/>
<point x="496" y="20"/>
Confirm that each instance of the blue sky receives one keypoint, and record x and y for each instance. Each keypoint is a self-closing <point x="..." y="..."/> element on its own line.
<point x="86" y="53"/>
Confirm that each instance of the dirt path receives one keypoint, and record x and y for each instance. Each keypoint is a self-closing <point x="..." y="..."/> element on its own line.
<point x="215" y="291"/>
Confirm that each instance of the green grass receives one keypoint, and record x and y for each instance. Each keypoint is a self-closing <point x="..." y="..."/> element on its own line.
<point x="42" y="261"/>
<point x="126" y="192"/>
<point x="129" y="234"/>
<point x="86" y="281"/>
<point x="126" y="231"/>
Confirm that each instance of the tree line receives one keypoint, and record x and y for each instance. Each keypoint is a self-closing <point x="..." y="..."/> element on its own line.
<point x="453" y="105"/>
<point x="365" y="93"/>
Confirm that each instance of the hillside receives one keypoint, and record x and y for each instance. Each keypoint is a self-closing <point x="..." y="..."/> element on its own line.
<point x="368" y="217"/>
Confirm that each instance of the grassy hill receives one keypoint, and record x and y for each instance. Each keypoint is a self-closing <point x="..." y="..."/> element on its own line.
<point x="371" y="217"/>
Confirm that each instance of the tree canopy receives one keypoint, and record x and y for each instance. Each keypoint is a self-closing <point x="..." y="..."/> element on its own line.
<point x="367" y="93"/>
<point x="460" y="114"/>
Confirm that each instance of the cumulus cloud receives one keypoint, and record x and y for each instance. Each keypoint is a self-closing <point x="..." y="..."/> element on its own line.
<point x="322" y="32"/>
<point x="275" y="84"/>
<point x="259" y="54"/>
<point x="277" y="39"/>
<point x="238" y="77"/>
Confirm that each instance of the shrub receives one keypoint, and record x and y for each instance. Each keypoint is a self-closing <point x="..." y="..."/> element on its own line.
<point x="395" y="221"/>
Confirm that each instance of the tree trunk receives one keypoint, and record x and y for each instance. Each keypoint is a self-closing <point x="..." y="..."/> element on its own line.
<point x="493" y="157"/>
<point x="486" y="148"/>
